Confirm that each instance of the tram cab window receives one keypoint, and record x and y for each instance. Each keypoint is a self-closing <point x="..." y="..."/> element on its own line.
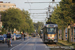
<point x="51" y="30"/>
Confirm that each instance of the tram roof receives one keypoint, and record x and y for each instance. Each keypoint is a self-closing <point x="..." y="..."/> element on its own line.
<point x="50" y="23"/>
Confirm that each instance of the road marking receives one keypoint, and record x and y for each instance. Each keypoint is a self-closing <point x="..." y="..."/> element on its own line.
<point x="35" y="45"/>
<point x="18" y="45"/>
<point x="24" y="45"/>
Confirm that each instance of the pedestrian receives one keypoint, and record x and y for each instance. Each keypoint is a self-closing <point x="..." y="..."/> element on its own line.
<point x="24" y="36"/>
<point x="14" y="36"/>
<point x="11" y="39"/>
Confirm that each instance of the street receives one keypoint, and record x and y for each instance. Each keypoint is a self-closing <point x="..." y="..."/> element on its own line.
<point x="5" y="46"/>
<point x="29" y="44"/>
<point x="34" y="43"/>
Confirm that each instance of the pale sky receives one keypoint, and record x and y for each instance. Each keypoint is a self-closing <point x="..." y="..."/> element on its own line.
<point x="26" y="6"/>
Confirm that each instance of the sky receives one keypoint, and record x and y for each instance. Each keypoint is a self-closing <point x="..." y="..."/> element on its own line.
<point x="26" y="6"/>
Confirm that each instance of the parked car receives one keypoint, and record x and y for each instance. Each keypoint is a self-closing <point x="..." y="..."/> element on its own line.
<point x="4" y="35"/>
<point x="2" y="39"/>
<point x="34" y="35"/>
<point x="18" y="36"/>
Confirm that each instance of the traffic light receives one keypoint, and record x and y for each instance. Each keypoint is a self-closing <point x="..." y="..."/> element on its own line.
<point x="73" y="1"/>
<point x="53" y="0"/>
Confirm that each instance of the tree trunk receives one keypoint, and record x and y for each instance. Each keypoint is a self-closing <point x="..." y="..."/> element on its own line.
<point x="64" y="35"/>
<point x="61" y="34"/>
<point x="58" y="34"/>
<point x="67" y="34"/>
<point x="70" y="36"/>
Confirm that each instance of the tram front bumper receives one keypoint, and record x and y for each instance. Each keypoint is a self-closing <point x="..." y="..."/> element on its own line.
<point x="54" y="40"/>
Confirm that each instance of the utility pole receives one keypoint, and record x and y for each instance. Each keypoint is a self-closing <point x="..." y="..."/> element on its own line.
<point x="49" y="13"/>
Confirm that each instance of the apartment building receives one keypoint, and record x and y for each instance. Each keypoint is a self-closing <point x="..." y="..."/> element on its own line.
<point x="6" y="5"/>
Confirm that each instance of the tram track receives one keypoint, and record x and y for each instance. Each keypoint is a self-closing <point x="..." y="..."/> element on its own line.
<point x="30" y="42"/>
<point x="58" y="46"/>
<point x="19" y="45"/>
<point x="23" y="44"/>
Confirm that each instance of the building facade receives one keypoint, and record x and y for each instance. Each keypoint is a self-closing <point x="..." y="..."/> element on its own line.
<point x="6" y="5"/>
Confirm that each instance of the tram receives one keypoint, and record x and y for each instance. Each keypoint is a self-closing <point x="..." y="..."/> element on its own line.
<point x="50" y="33"/>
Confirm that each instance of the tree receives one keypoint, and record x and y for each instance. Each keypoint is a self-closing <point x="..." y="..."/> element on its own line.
<point x="38" y="26"/>
<point x="64" y="14"/>
<point x="30" y="25"/>
<point x="15" y="18"/>
<point x="12" y="18"/>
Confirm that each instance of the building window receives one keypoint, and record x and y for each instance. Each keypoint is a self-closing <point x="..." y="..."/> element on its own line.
<point x="4" y="6"/>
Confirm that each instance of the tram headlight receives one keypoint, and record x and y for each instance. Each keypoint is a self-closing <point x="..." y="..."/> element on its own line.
<point x="52" y="35"/>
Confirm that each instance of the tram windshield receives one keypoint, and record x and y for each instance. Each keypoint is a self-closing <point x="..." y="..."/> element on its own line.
<point x="51" y="30"/>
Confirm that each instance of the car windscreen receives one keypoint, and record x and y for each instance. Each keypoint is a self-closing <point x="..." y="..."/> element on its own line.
<point x="1" y="36"/>
<point x="51" y="30"/>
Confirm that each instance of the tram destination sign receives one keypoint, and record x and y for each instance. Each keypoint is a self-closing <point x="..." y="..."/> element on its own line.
<point x="51" y="25"/>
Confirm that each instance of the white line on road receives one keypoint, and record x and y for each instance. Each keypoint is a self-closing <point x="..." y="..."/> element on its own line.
<point x="18" y="45"/>
<point x="24" y="46"/>
<point x="35" y="45"/>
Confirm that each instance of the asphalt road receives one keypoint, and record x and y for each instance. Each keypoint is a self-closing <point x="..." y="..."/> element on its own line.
<point x="34" y="43"/>
<point x="5" y="46"/>
<point x="29" y="44"/>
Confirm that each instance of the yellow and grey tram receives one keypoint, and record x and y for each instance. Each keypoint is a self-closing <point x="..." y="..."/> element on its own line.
<point x="50" y="33"/>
